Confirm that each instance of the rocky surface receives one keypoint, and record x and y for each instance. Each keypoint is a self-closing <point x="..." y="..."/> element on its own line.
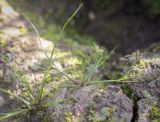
<point x="148" y="71"/>
<point x="148" y="110"/>
<point x="113" y="99"/>
<point x="92" y="104"/>
<point x="145" y="70"/>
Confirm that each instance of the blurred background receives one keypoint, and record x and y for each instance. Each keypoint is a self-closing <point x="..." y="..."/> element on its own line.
<point x="128" y="24"/>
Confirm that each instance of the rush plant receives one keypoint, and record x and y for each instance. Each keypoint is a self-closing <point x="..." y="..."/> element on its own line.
<point x="32" y="101"/>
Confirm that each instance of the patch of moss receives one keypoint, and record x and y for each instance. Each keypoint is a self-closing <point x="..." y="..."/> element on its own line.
<point x="68" y="116"/>
<point x="105" y="114"/>
<point x="154" y="113"/>
<point x="2" y="41"/>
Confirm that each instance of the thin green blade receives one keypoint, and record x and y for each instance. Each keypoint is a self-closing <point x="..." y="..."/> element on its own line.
<point x="12" y="114"/>
<point x="12" y="94"/>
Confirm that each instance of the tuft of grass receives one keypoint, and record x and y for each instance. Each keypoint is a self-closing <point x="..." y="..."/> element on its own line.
<point x="32" y="102"/>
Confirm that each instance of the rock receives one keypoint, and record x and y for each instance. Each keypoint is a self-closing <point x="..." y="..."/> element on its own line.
<point x="144" y="68"/>
<point x="148" y="71"/>
<point x="117" y="104"/>
<point x="148" y="110"/>
<point x="90" y="103"/>
<point x="6" y="9"/>
<point x="143" y="109"/>
<point x="46" y="45"/>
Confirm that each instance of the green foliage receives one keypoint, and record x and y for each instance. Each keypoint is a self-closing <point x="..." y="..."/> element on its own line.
<point x="153" y="7"/>
<point x="104" y="115"/>
<point x="154" y="113"/>
<point x="12" y="114"/>
<point x="100" y="59"/>
<point x="2" y="41"/>
<point x="33" y="100"/>
<point x="91" y="115"/>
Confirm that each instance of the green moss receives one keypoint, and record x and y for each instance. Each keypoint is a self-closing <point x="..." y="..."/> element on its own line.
<point x="141" y="66"/>
<point x="91" y="115"/>
<point x="154" y="113"/>
<point x="2" y="41"/>
<point x="68" y="116"/>
<point x="105" y="114"/>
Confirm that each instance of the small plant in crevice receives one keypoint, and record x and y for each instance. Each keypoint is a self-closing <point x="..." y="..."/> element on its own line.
<point x="90" y="75"/>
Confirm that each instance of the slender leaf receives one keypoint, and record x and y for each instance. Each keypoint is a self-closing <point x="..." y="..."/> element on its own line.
<point x="19" y="73"/>
<point x="72" y="16"/>
<point x="18" y="97"/>
<point x="12" y="114"/>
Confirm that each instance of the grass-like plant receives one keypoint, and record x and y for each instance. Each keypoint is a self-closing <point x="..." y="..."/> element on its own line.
<point x="33" y="101"/>
<point x="89" y="76"/>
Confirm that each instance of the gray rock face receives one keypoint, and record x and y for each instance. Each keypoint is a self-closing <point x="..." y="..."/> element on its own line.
<point x="148" y="110"/>
<point x="144" y="106"/>
<point x="148" y="71"/>
<point x="113" y="99"/>
<point x="92" y="104"/>
<point x="145" y="68"/>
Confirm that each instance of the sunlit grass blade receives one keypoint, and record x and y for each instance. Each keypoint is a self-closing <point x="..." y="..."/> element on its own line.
<point x="12" y="114"/>
<point x="19" y="73"/>
<point x="71" y="17"/>
<point x="50" y="62"/>
<point x="112" y="81"/>
<point x="29" y="99"/>
<point x="108" y="56"/>
<point x="38" y="35"/>
<point x="65" y="74"/>
<point x="100" y="60"/>
<point x="18" y="97"/>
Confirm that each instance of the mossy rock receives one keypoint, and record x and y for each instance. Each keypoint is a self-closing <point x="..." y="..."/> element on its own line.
<point x="154" y="113"/>
<point x="144" y="69"/>
<point x="149" y="110"/>
<point x="92" y="104"/>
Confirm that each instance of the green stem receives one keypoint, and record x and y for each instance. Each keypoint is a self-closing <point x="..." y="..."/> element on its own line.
<point x="70" y="18"/>
<point x="110" y="81"/>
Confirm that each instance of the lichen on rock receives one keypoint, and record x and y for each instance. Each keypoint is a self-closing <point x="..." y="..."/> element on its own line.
<point x="145" y="71"/>
<point x="94" y="105"/>
<point x="144" y="68"/>
<point x="149" y="110"/>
